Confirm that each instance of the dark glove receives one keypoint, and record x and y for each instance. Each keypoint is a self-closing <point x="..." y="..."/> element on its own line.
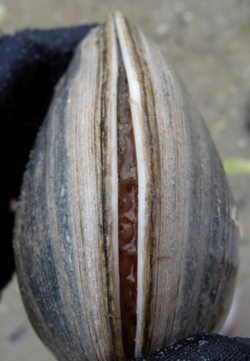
<point x="204" y="347"/>
<point x="31" y="63"/>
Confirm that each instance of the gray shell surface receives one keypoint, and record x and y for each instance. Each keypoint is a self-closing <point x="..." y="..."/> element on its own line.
<point x="66" y="236"/>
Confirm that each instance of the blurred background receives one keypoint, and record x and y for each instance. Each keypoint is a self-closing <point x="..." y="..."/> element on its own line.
<point x="208" y="41"/>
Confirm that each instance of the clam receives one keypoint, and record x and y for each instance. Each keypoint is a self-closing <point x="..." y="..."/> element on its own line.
<point x="126" y="235"/>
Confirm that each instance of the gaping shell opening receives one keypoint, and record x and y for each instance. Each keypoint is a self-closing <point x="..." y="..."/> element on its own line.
<point x="128" y="213"/>
<point x="131" y="189"/>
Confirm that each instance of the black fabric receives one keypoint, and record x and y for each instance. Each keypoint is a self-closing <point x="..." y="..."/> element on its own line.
<point x="31" y="63"/>
<point x="204" y="347"/>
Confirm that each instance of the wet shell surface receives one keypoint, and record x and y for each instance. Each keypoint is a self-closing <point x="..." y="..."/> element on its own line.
<point x="126" y="238"/>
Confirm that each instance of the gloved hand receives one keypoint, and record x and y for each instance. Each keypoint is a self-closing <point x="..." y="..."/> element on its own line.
<point x="31" y="63"/>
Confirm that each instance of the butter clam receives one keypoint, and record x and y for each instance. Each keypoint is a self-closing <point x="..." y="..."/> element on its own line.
<point x="125" y="237"/>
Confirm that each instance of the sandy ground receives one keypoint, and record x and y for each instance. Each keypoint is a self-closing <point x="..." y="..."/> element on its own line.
<point x="208" y="41"/>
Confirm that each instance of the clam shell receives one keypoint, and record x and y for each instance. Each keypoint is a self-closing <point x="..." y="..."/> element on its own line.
<point x="66" y="236"/>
